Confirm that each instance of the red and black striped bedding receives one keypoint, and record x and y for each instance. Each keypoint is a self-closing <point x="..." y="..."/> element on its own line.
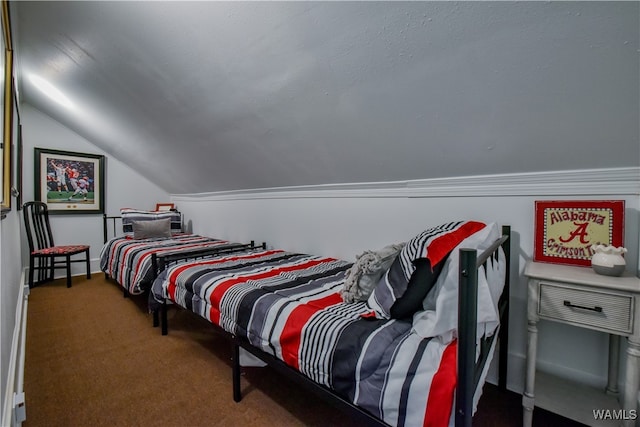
<point x="289" y="306"/>
<point x="128" y="261"/>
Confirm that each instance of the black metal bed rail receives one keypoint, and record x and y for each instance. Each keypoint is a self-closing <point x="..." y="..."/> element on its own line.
<point x="503" y="307"/>
<point x="105" y="225"/>
<point x="161" y="262"/>
<point x="359" y="415"/>
<point x="470" y="370"/>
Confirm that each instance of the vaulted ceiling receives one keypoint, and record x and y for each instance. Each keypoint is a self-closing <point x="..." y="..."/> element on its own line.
<point x="213" y="96"/>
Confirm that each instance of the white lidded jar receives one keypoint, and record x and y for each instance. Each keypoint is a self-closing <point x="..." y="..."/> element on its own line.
<point x="608" y="260"/>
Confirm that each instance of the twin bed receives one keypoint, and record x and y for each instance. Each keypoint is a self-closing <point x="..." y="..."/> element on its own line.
<point x="412" y="352"/>
<point x="129" y="257"/>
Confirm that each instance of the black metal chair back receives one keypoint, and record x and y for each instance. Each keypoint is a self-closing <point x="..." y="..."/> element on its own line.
<point x="42" y="248"/>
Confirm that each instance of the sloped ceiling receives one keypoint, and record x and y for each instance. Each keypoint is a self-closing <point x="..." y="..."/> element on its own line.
<point x="213" y="96"/>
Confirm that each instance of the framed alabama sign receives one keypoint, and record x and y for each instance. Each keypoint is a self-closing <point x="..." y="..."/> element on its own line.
<point x="566" y="230"/>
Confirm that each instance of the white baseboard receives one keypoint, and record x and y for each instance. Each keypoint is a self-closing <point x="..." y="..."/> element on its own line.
<point x="15" y="371"/>
<point x="517" y="367"/>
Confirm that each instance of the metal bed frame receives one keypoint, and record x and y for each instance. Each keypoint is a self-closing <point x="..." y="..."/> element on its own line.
<point x="469" y="368"/>
<point x="105" y="225"/>
<point x="160" y="262"/>
<point x="113" y="218"/>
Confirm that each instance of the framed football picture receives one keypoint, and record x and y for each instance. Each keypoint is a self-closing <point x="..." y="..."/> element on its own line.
<point x="565" y="231"/>
<point x="68" y="182"/>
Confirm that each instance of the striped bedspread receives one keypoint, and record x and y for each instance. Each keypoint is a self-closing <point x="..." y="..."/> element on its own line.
<point x="128" y="261"/>
<point x="288" y="305"/>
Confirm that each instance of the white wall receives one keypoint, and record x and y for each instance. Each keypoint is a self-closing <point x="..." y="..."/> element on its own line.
<point x="124" y="187"/>
<point x="10" y="274"/>
<point x="344" y="221"/>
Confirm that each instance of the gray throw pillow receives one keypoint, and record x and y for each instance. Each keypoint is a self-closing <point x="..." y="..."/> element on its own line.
<point x="363" y="276"/>
<point x="376" y="269"/>
<point x="154" y="229"/>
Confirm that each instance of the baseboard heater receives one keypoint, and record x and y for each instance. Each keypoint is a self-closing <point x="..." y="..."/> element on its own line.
<point x="14" y="412"/>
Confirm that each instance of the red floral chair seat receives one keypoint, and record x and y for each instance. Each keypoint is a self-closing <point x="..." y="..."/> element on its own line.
<point x="61" y="250"/>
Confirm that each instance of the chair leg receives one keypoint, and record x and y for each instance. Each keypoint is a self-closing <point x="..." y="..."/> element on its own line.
<point x="68" y="260"/>
<point x="88" y="266"/>
<point x="46" y="262"/>
<point x="42" y="268"/>
<point x="31" y="266"/>
<point x="41" y="271"/>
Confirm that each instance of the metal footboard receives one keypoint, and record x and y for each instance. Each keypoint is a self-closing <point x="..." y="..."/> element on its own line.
<point x="470" y="369"/>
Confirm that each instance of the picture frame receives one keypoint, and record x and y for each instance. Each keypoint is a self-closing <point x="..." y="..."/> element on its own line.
<point x="565" y="231"/>
<point x="6" y="109"/>
<point x="69" y="182"/>
<point x="164" y="207"/>
<point x="19" y="160"/>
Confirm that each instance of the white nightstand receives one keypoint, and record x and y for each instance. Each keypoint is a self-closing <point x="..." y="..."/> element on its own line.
<point x="578" y="296"/>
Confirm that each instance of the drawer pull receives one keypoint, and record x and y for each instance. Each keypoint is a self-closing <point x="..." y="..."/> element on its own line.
<point x="596" y="308"/>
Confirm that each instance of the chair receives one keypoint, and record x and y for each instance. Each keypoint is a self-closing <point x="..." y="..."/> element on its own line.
<point x="42" y="248"/>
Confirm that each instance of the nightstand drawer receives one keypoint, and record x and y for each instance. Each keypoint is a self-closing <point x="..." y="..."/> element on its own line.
<point x="598" y="310"/>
